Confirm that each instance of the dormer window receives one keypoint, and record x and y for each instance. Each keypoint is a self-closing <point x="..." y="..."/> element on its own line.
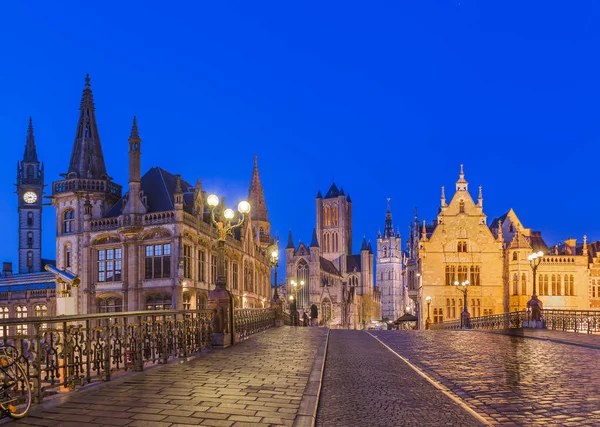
<point x="462" y="246"/>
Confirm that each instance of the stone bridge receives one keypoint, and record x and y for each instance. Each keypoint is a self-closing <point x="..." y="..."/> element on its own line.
<point x="306" y="375"/>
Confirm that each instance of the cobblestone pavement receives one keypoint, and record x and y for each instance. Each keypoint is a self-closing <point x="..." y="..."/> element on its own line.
<point x="258" y="382"/>
<point x="365" y="384"/>
<point x="514" y="380"/>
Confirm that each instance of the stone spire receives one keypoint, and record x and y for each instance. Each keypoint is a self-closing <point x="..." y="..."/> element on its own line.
<point x="364" y="246"/>
<point x="389" y="229"/>
<point x="256" y="196"/>
<point x="134" y="153"/>
<point x="30" y="150"/>
<point x="290" y="243"/>
<point x="87" y="160"/>
<point x="480" y="198"/>
<point x="315" y="242"/>
<point x="443" y="197"/>
<point x="585" y="246"/>
<point x="462" y="184"/>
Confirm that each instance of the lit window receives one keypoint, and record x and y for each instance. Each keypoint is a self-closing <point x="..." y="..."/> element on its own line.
<point x="68" y="220"/>
<point x="109" y="265"/>
<point x="158" y="261"/>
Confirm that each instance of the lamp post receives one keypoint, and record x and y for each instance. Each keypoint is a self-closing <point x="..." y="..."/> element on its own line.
<point x="419" y="303"/>
<point x="273" y="252"/>
<point x="220" y="298"/>
<point x="293" y="311"/>
<point x="464" y="316"/>
<point x="428" y="322"/>
<point x="534" y="305"/>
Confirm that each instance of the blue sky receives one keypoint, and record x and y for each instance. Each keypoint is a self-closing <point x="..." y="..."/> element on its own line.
<point x="387" y="98"/>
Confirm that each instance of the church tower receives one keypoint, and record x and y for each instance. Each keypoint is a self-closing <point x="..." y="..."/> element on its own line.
<point x="85" y="193"/>
<point x="30" y="189"/>
<point x="259" y="215"/>
<point x="389" y="269"/>
<point x="334" y="226"/>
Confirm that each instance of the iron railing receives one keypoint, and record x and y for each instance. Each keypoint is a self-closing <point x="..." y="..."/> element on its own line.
<point x="581" y="321"/>
<point x="67" y="351"/>
<point x="249" y="321"/>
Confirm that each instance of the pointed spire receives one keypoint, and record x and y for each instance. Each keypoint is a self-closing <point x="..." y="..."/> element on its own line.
<point x="424" y="230"/>
<point x="364" y="246"/>
<point x="319" y="195"/>
<point x="348" y="199"/>
<point x="178" y="188"/>
<point x="134" y="137"/>
<point x="480" y="197"/>
<point x="585" y="246"/>
<point x="256" y="196"/>
<point x="370" y="248"/>
<point x="388" y="231"/>
<point x="315" y="242"/>
<point x="87" y="160"/>
<point x="342" y="191"/>
<point x="30" y="150"/>
<point x="333" y="192"/>
<point x="290" y="243"/>
<point x="500" y="236"/>
<point x="462" y="184"/>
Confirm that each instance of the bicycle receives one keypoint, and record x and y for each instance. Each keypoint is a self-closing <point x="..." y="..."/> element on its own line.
<point x="15" y="389"/>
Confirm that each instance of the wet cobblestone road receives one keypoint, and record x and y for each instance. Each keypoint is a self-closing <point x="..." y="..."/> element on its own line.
<point x="516" y="381"/>
<point x="365" y="385"/>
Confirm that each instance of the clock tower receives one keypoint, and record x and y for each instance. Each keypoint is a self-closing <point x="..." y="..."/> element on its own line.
<point x="30" y="189"/>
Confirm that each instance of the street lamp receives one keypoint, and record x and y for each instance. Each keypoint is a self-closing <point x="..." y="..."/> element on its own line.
<point x="220" y="298"/>
<point x="534" y="305"/>
<point x="428" y="322"/>
<point x="464" y="316"/>
<point x="273" y="252"/>
<point x="293" y="311"/>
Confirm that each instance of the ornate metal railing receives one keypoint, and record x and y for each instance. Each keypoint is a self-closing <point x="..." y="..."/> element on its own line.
<point x="495" y="321"/>
<point x="67" y="351"/>
<point x="581" y="321"/>
<point x="585" y="321"/>
<point x="250" y="321"/>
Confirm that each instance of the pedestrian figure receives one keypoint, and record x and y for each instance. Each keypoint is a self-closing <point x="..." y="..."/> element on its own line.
<point x="305" y="319"/>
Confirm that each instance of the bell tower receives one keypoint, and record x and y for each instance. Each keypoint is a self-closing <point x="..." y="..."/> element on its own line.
<point x="30" y="190"/>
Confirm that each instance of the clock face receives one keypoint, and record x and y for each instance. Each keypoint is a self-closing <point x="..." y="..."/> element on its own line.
<point x="29" y="197"/>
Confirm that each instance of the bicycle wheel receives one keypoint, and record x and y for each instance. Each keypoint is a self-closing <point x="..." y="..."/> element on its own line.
<point x="17" y="389"/>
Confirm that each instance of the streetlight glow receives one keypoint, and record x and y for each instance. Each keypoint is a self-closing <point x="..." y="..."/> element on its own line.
<point x="244" y="207"/>
<point x="229" y="213"/>
<point x="212" y="200"/>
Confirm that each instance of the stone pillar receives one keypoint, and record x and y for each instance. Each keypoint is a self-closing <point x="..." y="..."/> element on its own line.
<point x="220" y="302"/>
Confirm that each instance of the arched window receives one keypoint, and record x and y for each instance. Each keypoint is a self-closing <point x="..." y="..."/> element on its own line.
<point x="554" y="284"/>
<point x="29" y="239"/>
<point x="68" y="221"/>
<point x="335" y="242"/>
<point x="515" y="256"/>
<point x="3" y="315"/>
<point x="201" y="302"/>
<point x="558" y="285"/>
<point x="302" y="291"/>
<point x="523" y="284"/>
<point x="187" y="301"/>
<point x="461" y="207"/>
<point x="29" y="219"/>
<point x="326" y="216"/>
<point x="515" y="284"/>
<point x="511" y="229"/>
<point x="110" y="305"/>
<point x="158" y="302"/>
<point x="571" y="285"/>
<point x="334" y="215"/>
<point x="68" y="256"/>
<point x="30" y="260"/>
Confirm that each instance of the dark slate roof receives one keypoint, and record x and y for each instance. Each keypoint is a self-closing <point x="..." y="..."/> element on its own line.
<point x="21" y="282"/>
<point x="328" y="266"/>
<point x="494" y="223"/>
<point x="333" y="192"/>
<point x="290" y="244"/>
<point x="593" y="250"/>
<point x="537" y="242"/>
<point x="315" y="241"/>
<point x="353" y="261"/>
<point x="159" y="186"/>
<point x="319" y="195"/>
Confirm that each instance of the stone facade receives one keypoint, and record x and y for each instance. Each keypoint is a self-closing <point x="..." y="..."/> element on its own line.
<point x="338" y="283"/>
<point x="460" y="246"/>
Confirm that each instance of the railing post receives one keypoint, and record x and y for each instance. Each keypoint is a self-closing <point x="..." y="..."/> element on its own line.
<point x="38" y="397"/>
<point x="107" y="351"/>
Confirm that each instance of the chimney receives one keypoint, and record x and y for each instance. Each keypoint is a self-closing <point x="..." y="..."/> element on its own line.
<point x="7" y="269"/>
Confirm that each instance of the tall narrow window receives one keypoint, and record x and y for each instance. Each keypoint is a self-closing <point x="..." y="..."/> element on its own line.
<point x="201" y="266"/>
<point x="334" y="215"/>
<point x="554" y="285"/>
<point x="30" y="239"/>
<point x="21" y="312"/>
<point x="515" y="284"/>
<point x="3" y="315"/>
<point x="475" y="277"/>
<point x="68" y="221"/>
<point x="159" y="302"/>
<point x="326" y="216"/>
<point x="109" y="265"/>
<point x="213" y="269"/>
<point x="558" y="285"/>
<point x="461" y="207"/>
<point x="68" y="256"/>
<point x="187" y="261"/>
<point x="523" y="284"/>
<point x="201" y="302"/>
<point x="235" y="274"/>
<point x="448" y="309"/>
<point x="462" y="273"/>
<point x="29" y="219"/>
<point x="158" y="261"/>
<point x="462" y="246"/>
<point x="571" y="285"/>
<point x="450" y="274"/>
<point x="187" y="301"/>
<point x="30" y="260"/>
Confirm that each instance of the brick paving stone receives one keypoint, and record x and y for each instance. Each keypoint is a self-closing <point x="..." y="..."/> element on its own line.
<point x="271" y="367"/>
<point x="365" y="384"/>
<point x="552" y="379"/>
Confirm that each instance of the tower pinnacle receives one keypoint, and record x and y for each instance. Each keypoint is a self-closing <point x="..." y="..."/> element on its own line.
<point x="256" y="196"/>
<point x="462" y="184"/>
<point x="30" y="150"/>
<point x="87" y="160"/>
<point x="389" y="229"/>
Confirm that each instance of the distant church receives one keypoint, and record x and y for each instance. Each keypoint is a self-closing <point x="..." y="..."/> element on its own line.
<point x="151" y="248"/>
<point x="338" y="283"/>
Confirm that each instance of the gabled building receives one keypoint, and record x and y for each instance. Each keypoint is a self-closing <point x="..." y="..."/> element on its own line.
<point x="337" y="282"/>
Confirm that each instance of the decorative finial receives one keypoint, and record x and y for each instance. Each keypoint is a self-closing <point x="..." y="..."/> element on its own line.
<point x="30" y="125"/>
<point x="178" y="185"/>
<point x="480" y="193"/>
<point x="462" y="172"/>
<point x="134" y="129"/>
<point x="87" y="81"/>
<point x="255" y="161"/>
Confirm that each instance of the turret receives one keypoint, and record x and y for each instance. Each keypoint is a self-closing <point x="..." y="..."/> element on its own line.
<point x="134" y="198"/>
